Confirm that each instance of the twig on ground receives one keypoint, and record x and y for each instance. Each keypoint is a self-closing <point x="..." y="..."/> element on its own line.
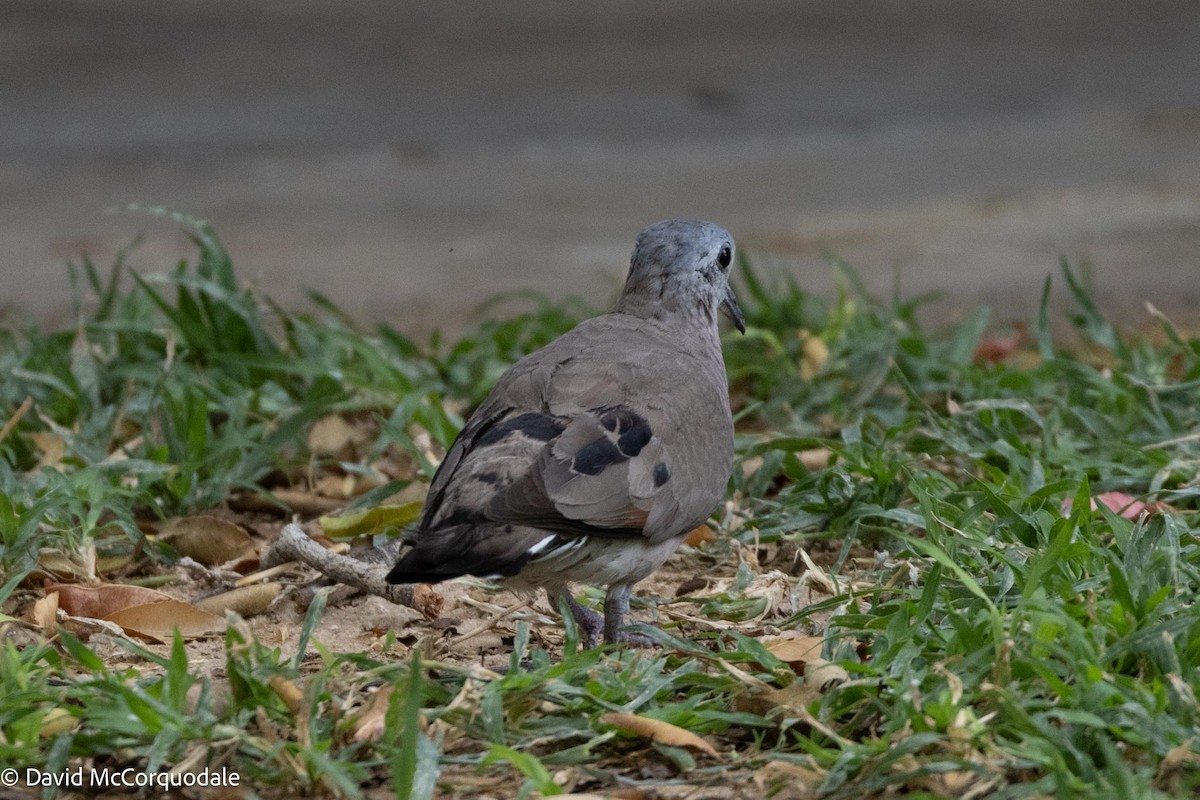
<point x="294" y="544"/>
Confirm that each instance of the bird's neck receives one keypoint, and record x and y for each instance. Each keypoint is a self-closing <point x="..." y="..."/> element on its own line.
<point x="653" y="299"/>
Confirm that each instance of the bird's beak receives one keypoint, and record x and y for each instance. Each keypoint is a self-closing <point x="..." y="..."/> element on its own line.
<point x="730" y="304"/>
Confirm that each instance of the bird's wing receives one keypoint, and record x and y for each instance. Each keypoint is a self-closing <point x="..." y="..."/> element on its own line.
<point x="590" y="438"/>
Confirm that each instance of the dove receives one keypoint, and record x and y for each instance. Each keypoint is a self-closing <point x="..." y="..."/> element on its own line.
<point x="592" y="458"/>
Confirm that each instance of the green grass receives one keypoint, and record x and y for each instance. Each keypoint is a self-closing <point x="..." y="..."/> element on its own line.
<point x="1006" y="640"/>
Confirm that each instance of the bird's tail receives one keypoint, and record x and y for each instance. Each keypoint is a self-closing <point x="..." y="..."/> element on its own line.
<point x="484" y="551"/>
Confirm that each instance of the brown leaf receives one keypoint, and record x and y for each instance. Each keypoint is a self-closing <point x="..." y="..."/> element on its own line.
<point x="100" y="601"/>
<point x="815" y="354"/>
<point x="396" y="464"/>
<point x="306" y="503"/>
<point x="1126" y="505"/>
<point x="208" y="539"/>
<point x="691" y="586"/>
<point x="659" y="731"/>
<point x="288" y="692"/>
<point x="369" y="724"/>
<point x="340" y="486"/>
<point x="333" y="436"/>
<point x="246" y="601"/>
<point x="795" y="649"/>
<point x="996" y="349"/>
<point x="954" y="783"/>
<point x="803" y="655"/>
<point x="52" y="446"/>
<point x="783" y="780"/>
<point x="44" y="613"/>
<point x="815" y="459"/>
<point x="752" y="465"/>
<point x="790" y="701"/>
<point x="138" y="611"/>
<point x="822" y="675"/>
<point x="426" y="600"/>
<point x="1180" y="761"/>
<point x="1121" y="504"/>
<point x="57" y="720"/>
<point x="158" y="621"/>
<point x="74" y="566"/>
<point x="701" y="534"/>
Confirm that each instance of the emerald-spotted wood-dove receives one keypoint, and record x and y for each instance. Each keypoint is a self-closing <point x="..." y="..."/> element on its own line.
<point x="593" y="457"/>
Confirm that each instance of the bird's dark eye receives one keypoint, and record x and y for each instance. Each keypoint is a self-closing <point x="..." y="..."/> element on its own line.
<point x="724" y="257"/>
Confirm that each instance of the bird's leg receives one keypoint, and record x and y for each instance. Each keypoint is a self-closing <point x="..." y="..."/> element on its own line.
<point x="589" y="621"/>
<point x="616" y="606"/>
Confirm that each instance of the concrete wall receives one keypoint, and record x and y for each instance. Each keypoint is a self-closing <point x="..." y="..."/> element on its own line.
<point x="412" y="159"/>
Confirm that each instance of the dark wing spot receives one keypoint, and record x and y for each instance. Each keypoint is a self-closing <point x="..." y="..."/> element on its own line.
<point x="488" y="478"/>
<point x="661" y="474"/>
<point x="633" y="432"/>
<point x="591" y="459"/>
<point x="633" y="440"/>
<point x="541" y="427"/>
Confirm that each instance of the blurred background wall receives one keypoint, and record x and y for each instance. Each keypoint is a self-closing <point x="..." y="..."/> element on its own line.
<point x="410" y="159"/>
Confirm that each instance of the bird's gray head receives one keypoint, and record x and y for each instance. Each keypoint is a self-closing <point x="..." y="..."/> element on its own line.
<point x="681" y="266"/>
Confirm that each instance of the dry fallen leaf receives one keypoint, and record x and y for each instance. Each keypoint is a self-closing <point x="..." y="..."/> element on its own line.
<point x="246" y="601"/>
<point x="369" y="724"/>
<point x="342" y="486"/>
<point x="996" y="349"/>
<point x="954" y="783"/>
<point x="101" y="600"/>
<point x="208" y="539"/>
<point x="288" y="692"/>
<point x="334" y="436"/>
<point x="44" y="613"/>
<point x="56" y="721"/>
<point x="52" y="446"/>
<point x="821" y="674"/>
<point x="74" y="566"/>
<point x="659" y="731"/>
<point x="141" y="612"/>
<point x="1181" y="760"/>
<point x="795" y="648"/>
<point x="158" y="621"/>
<point x="815" y="354"/>
<point x="783" y="780"/>
<point x="1121" y="504"/>
<point x="816" y="458"/>
<point x="701" y="534"/>
<point x="790" y="701"/>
